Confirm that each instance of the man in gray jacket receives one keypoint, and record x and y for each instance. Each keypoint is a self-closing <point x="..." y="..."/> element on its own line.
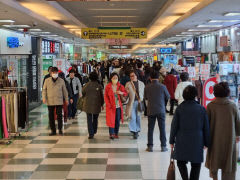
<point x="76" y="87"/>
<point x="54" y="92"/>
<point x="156" y="94"/>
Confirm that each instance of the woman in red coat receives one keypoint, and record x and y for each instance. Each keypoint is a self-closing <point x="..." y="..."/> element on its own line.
<point x="114" y="108"/>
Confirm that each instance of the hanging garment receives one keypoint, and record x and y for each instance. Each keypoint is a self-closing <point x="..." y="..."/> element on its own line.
<point x="7" y="106"/>
<point x="4" y="121"/>
<point x="22" y="107"/>
<point x="16" y="111"/>
<point x="1" y="130"/>
<point x="12" y="128"/>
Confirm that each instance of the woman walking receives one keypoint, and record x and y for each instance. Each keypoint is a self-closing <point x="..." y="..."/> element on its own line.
<point x="114" y="107"/>
<point x="135" y="88"/>
<point x="225" y="131"/>
<point x="92" y="103"/>
<point x="189" y="134"/>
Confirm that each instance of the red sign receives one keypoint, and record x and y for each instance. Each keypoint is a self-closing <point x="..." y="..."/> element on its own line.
<point x="208" y="95"/>
<point x="117" y="41"/>
<point x="191" y="53"/>
<point x="223" y="41"/>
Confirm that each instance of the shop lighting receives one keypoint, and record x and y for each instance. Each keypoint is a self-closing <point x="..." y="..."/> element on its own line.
<point x="191" y="33"/>
<point x="50" y="35"/>
<point x="41" y="32"/>
<point x="115" y="16"/>
<point x="224" y="21"/>
<point x="35" y="30"/>
<point x="210" y="26"/>
<point x="120" y="22"/>
<point x="232" y="14"/>
<point x="199" y="30"/>
<point x="112" y="9"/>
<point x="6" y="21"/>
<point x="16" y="26"/>
<point x="184" y="35"/>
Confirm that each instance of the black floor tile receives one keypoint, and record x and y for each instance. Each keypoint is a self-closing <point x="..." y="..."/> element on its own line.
<point x="109" y="150"/>
<point x="15" y="175"/>
<point x="25" y="161"/>
<point x="62" y="155"/>
<point x="123" y="167"/>
<point x="7" y="155"/>
<point x="24" y="137"/>
<point x="54" y="168"/>
<point x="90" y="161"/>
<point x="44" y="141"/>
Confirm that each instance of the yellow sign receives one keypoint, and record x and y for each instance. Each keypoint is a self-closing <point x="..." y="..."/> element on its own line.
<point x="127" y="33"/>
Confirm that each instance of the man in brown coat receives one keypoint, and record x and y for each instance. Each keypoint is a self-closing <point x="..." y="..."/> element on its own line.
<point x="54" y="91"/>
<point x="224" y="132"/>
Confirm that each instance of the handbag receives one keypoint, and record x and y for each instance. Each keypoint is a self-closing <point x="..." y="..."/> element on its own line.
<point x="124" y="99"/>
<point x="141" y="107"/>
<point x="80" y="104"/>
<point x="171" y="175"/>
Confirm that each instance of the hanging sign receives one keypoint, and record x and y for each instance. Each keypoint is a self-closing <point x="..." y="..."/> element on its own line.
<point x="205" y="71"/>
<point x="208" y="95"/>
<point x="117" y="41"/>
<point x="118" y="33"/>
<point x="191" y="72"/>
<point x="119" y="47"/>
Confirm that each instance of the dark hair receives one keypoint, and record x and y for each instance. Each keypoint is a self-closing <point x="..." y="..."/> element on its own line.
<point x="154" y="74"/>
<point x="221" y="89"/>
<point x="114" y="74"/>
<point x="72" y="71"/>
<point x="93" y="76"/>
<point x="132" y="71"/>
<point x="54" y="69"/>
<point x="50" y="67"/>
<point x="139" y="64"/>
<point x="61" y="75"/>
<point x="189" y="93"/>
<point x="184" y="76"/>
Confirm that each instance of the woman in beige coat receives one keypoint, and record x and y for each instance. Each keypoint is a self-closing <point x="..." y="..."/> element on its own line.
<point x="132" y="106"/>
<point x="224" y="132"/>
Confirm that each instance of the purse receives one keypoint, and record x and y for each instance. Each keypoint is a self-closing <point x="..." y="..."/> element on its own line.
<point x="80" y="104"/>
<point x="171" y="175"/>
<point x="141" y="107"/>
<point x="124" y="99"/>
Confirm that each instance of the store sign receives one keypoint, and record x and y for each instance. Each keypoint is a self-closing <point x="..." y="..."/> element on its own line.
<point x="191" y="53"/>
<point x="117" y="41"/>
<point x="205" y="71"/>
<point x="223" y="41"/>
<point x="128" y="33"/>
<point x="208" y="95"/>
<point x="192" y="72"/>
<point x="50" y="47"/>
<point x="119" y="47"/>
<point x="166" y="50"/>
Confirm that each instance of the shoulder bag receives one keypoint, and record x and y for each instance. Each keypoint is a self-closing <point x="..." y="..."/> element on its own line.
<point x="171" y="169"/>
<point x="140" y="103"/>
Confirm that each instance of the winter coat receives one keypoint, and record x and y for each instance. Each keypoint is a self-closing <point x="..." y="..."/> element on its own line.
<point x="189" y="132"/>
<point x="77" y="86"/>
<point x="224" y="127"/>
<point x="131" y="94"/>
<point x="93" y="98"/>
<point x="54" y="92"/>
<point x="171" y="83"/>
<point x="179" y="91"/>
<point x="110" y="103"/>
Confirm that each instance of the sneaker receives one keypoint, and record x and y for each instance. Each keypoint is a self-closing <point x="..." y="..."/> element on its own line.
<point x="111" y="137"/>
<point x="90" y="137"/>
<point x="135" y="135"/>
<point x="116" y="136"/>
<point x="60" y="132"/>
<point x="52" y="134"/>
<point x="149" y="149"/>
<point x="164" y="149"/>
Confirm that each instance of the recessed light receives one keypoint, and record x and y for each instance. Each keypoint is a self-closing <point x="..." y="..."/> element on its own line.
<point x="198" y="30"/>
<point x="16" y="26"/>
<point x="213" y="26"/>
<point x="223" y="21"/>
<point x="184" y="35"/>
<point x="6" y="21"/>
<point x="232" y="14"/>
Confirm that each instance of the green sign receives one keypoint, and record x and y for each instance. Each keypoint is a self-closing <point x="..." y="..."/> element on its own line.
<point x="46" y="63"/>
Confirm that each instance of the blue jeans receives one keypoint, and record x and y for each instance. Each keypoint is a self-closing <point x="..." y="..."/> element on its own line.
<point x="161" y="124"/>
<point x="72" y="108"/>
<point x="115" y="130"/>
<point x="135" y="123"/>
<point x="92" y="121"/>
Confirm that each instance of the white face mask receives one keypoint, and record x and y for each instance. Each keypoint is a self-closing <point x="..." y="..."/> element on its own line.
<point x="55" y="76"/>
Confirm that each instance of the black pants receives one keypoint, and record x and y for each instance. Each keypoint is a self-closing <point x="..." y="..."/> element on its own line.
<point x="51" y="117"/>
<point x="195" y="171"/>
<point x="172" y="103"/>
<point x="115" y="130"/>
<point x="92" y="121"/>
<point x="161" y="124"/>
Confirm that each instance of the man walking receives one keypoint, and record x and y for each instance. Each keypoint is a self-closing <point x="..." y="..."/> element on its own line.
<point x="77" y="91"/>
<point x="54" y="91"/>
<point x="156" y="94"/>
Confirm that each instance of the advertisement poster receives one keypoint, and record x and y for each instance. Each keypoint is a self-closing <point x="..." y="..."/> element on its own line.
<point x="191" y="72"/>
<point x="46" y="63"/>
<point x="13" y="69"/>
<point x="62" y="65"/>
<point x="205" y="71"/>
<point x="208" y="95"/>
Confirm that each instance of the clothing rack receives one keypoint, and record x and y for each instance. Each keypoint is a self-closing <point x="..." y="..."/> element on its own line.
<point x="7" y="90"/>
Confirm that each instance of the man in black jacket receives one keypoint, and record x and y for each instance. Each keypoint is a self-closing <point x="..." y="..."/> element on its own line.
<point x="48" y="75"/>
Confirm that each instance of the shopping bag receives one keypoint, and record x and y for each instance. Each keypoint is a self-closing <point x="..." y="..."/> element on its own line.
<point x="80" y="104"/>
<point x="171" y="169"/>
<point x="141" y="107"/>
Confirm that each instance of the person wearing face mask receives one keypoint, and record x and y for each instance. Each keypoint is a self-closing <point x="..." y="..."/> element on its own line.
<point x="135" y="88"/>
<point x="77" y="92"/>
<point x="114" y="107"/>
<point x="54" y="91"/>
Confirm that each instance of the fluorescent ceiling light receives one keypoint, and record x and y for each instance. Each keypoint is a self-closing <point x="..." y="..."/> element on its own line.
<point x="71" y="26"/>
<point x="191" y="33"/>
<point x="209" y="25"/>
<point x="112" y="9"/>
<point x="50" y="35"/>
<point x="223" y="21"/>
<point x="35" y="30"/>
<point x="198" y="30"/>
<point x="184" y="35"/>
<point x="40" y="32"/>
<point x="115" y="16"/>
<point x="232" y="14"/>
<point x="16" y="26"/>
<point x="116" y="22"/>
<point x="6" y="21"/>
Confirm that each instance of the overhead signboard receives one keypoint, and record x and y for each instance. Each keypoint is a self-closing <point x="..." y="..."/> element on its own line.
<point x="166" y="50"/>
<point x="111" y="33"/>
<point x="119" y="47"/>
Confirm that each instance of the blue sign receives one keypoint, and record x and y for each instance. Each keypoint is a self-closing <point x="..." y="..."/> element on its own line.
<point x="12" y="42"/>
<point x="166" y="50"/>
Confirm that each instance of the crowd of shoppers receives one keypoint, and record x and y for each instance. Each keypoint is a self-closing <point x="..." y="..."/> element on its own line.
<point x="130" y="83"/>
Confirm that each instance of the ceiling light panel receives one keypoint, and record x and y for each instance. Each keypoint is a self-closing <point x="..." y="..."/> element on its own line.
<point x="224" y="21"/>
<point x="6" y="21"/>
<point x="16" y="26"/>
<point x="35" y="30"/>
<point x="232" y="14"/>
<point x="199" y="30"/>
<point x="210" y="26"/>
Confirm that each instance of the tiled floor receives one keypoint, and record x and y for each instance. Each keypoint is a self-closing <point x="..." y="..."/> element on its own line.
<point x="35" y="155"/>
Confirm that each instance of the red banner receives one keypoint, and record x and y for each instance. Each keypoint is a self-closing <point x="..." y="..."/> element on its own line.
<point x="208" y="95"/>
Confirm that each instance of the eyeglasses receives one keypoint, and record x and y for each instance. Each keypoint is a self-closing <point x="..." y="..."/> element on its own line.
<point x="132" y="76"/>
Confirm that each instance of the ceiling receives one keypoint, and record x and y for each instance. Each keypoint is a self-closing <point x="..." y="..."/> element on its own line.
<point x="115" y="14"/>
